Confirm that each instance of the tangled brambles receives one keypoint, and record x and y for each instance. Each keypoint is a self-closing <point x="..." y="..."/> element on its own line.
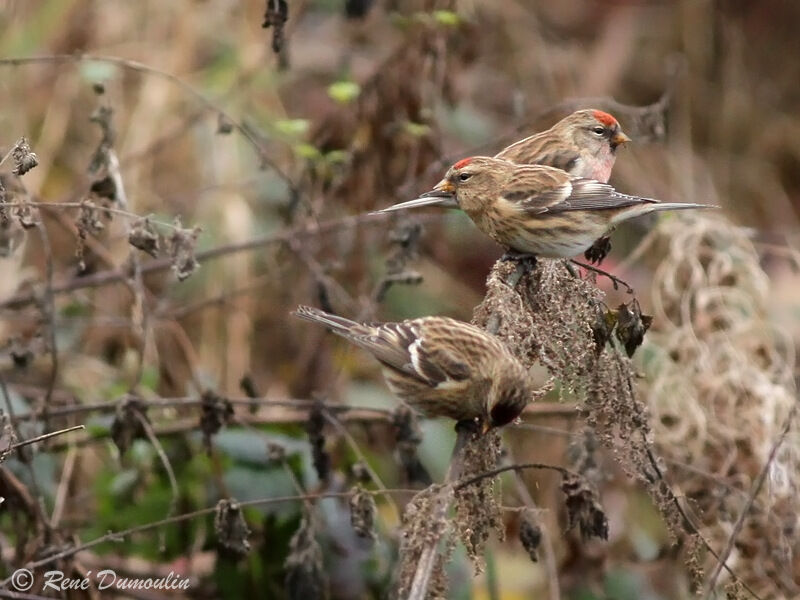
<point x="720" y="387"/>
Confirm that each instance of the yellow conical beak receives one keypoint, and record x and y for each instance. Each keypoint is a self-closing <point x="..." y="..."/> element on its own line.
<point x="620" y="138"/>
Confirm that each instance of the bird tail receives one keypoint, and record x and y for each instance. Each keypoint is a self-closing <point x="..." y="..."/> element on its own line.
<point x="638" y="210"/>
<point x="337" y="324"/>
<point x="434" y="198"/>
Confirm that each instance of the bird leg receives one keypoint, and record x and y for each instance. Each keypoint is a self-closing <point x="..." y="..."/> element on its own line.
<point x="598" y="250"/>
<point x="615" y="281"/>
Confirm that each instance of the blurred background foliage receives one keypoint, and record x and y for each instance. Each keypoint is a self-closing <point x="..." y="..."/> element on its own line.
<point x="348" y="106"/>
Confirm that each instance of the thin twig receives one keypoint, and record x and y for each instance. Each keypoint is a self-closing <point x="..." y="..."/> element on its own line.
<point x="116" y="536"/>
<point x="114" y="275"/>
<point x="333" y="420"/>
<point x="547" y="543"/>
<point x="173" y="482"/>
<point x="45" y="436"/>
<point x="64" y="485"/>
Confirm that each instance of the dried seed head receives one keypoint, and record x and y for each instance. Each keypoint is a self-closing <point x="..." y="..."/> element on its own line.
<point x="360" y="472"/>
<point x="583" y="507"/>
<point x="216" y="412"/>
<point x="231" y="528"/>
<point x="422" y="523"/>
<point x="530" y="535"/>
<point x="603" y="326"/>
<point x="144" y="237"/>
<point x="224" y="124"/>
<point x="314" y="428"/>
<point x="7" y="437"/>
<point x="276" y="453"/>
<point x="275" y="16"/>
<point x="24" y="159"/>
<point x="26" y="214"/>
<point x="106" y="188"/>
<point x="632" y="325"/>
<point x="182" y="246"/>
<point x="127" y="425"/>
<point x="477" y="507"/>
<point x="305" y="572"/>
<point x="362" y="513"/>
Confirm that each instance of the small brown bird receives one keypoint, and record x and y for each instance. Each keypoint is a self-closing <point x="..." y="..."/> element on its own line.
<point x="441" y="367"/>
<point x="584" y="144"/>
<point x="534" y="209"/>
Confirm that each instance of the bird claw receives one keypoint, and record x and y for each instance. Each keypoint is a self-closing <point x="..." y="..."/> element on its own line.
<point x="597" y="252"/>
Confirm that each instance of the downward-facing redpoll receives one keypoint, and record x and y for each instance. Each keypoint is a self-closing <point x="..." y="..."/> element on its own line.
<point x="441" y="367"/>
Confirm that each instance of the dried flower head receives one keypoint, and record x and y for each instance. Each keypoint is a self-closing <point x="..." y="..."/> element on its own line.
<point x="631" y="325"/>
<point x="24" y="159"/>
<point x="305" y="572"/>
<point x="275" y="16"/>
<point x="363" y="511"/>
<point x="360" y="472"/>
<point x="314" y="428"/>
<point x="216" y="412"/>
<point x="583" y="507"/>
<point x="127" y="425"/>
<point x="477" y="506"/>
<point x="530" y="534"/>
<point x="231" y="528"/>
<point x="182" y="247"/>
<point x="276" y="453"/>
<point x="423" y="523"/>
<point x="7" y="437"/>
<point x="144" y="236"/>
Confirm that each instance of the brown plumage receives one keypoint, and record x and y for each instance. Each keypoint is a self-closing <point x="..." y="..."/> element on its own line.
<point x="534" y="209"/>
<point x="441" y="367"/>
<point x="583" y="144"/>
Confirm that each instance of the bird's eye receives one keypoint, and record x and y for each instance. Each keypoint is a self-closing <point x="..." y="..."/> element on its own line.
<point x="464" y="176"/>
<point x="599" y="130"/>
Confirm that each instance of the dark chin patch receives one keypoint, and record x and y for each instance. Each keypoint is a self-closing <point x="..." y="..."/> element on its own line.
<point x="503" y="413"/>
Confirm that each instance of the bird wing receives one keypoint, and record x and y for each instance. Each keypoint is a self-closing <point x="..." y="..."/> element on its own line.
<point x="404" y="347"/>
<point x="539" y="149"/>
<point x="539" y="189"/>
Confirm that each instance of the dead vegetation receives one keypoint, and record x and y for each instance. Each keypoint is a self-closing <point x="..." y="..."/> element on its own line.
<point x="164" y="206"/>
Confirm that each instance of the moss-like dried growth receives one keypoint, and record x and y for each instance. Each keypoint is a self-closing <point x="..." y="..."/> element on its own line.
<point x="477" y="506"/>
<point x="423" y="524"/>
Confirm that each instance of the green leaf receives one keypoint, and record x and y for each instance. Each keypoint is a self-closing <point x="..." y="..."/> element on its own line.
<point x="447" y="18"/>
<point x="308" y="151"/>
<point x="292" y="127"/>
<point x="344" y="92"/>
<point x="416" y="129"/>
<point x="335" y="157"/>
